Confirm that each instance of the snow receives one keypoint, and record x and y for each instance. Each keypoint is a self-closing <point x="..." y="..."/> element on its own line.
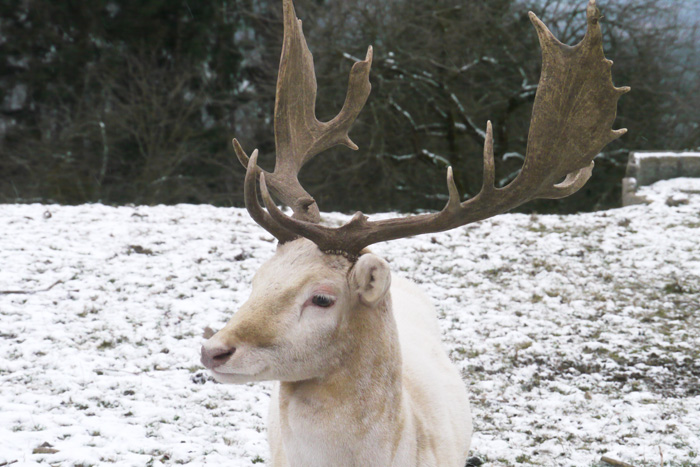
<point x="577" y="336"/>
<point x="676" y="191"/>
<point x="657" y="155"/>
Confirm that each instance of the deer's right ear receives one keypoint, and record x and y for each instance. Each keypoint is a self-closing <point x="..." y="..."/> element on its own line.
<point x="370" y="279"/>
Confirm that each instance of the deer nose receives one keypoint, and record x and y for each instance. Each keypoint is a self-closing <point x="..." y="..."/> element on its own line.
<point x="216" y="356"/>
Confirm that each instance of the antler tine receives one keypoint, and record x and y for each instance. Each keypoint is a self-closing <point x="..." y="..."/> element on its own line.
<point x="574" y="109"/>
<point x="240" y="153"/>
<point x="253" y="206"/>
<point x="489" y="164"/>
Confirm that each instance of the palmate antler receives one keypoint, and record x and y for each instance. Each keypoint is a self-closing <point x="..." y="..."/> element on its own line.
<point x="299" y="136"/>
<point x="571" y="122"/>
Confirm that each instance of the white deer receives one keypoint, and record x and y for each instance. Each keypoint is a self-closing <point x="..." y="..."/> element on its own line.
<point x="363" y="378"/>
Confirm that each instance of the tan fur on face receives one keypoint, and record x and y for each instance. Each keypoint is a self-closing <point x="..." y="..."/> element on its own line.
<point x="261" y="326"/>
<point x="273" y="329"/>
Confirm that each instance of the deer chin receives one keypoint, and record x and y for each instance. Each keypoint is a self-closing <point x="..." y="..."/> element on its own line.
<point x="239" y="378"/>
<point x="245" y="366"/>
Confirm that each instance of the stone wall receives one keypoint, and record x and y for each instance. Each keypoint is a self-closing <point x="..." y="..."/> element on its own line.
<point x="646" y="168"/>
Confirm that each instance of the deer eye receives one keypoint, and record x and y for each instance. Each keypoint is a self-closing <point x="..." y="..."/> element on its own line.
<point x="324" y="301"/>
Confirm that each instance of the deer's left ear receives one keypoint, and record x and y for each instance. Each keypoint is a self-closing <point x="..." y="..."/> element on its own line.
<point x="370" y="278"/>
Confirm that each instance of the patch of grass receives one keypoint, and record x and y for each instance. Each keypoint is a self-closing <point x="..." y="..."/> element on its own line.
<point x="677" y="287"/>
<point x="523" y="346"/>
<point x="540" y="263"/>
<point x="138" y="249"/>
<point x="107" y="404"/>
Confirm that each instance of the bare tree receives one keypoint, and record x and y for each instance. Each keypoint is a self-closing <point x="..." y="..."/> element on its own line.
<point x="112" y="117"/>
<point x="447" y="65"/>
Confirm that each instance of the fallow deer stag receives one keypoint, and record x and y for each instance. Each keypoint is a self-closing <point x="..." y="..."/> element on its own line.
<point x="363" y="378"/>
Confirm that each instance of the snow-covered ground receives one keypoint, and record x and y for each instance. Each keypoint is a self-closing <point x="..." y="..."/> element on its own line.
<point x="577" y="335"/>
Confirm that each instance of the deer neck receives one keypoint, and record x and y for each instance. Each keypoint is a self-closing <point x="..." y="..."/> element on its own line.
<point x="354" y="413"/>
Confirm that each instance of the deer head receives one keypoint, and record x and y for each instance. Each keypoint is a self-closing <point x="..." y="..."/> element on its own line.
<point x="307" y="308"/>
<point x="298" y="323"/>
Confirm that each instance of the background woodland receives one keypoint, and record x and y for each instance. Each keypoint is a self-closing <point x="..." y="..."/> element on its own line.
<point x="136" y="101"/>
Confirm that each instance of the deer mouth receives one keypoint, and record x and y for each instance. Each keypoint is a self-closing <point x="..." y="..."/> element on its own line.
<point x="236" y="377"/>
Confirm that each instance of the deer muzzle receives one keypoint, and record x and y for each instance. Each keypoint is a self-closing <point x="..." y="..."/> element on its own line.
<point x="216" y="355"/>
